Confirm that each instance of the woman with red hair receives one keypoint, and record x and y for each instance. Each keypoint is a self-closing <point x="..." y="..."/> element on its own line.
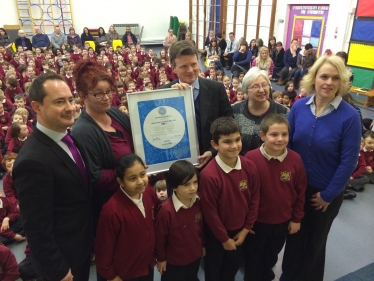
<point x="104" y="130"/>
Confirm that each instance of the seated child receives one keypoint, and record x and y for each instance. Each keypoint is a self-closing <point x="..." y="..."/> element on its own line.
<point x="8" y="265"/>
<point x="12" y="89"/>
<point x="302" y="94"/>
<point x="212" y="74"/>
<point x="368" y="152"/>
<point x="219" y="76"/>
<point x="287" y="100"/>
<point x="179" y="226"/>
<point x="78" y="108"/>
<point x="8" y="186"/>
<point x="19" y="102"/>
<point x="358" y="179"/>
<point x="290" y="88"/>
<point x="7" y="104"/>
<point x="5" y="119"/>
<point x="131" y="87"/>
<point x="211" y="65"/>
<point x="229" y="184"/>
<point x="239" y="96"/>
<point x="125" y="236"/>
<point x="160" y="189"/>
<point x="278" y="97"/>
<point x="163" y="79"/>
<point x="281" y="198"/>
<point x="18" y="133"/>
<point x="11" y="224"/>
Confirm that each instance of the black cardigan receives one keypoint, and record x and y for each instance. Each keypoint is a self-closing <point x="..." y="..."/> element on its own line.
<point x="18" y="42"/>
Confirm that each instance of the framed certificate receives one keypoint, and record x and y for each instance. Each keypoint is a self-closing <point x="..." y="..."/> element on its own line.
<point x="163" y="125"/>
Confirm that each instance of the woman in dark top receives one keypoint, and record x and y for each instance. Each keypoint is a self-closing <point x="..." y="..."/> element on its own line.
<point x="23" y="41"/>
<point x="74" y="39"/>
<point x="242" y="59"/>
<point x="254" y="49"/>
<point x="250" y="112"/>
<point x="86" y="36"/>
<point x="5" y="39"/>
<point x="104" y="130"/>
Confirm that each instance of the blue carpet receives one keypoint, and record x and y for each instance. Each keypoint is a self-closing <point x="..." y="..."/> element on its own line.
<point x="363" y="274"/>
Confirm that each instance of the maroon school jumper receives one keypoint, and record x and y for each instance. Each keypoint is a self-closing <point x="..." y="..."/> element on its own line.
<point x="179" y="235"/>
<point x="229" y="200"/>
<point x="125" y="239"/>
<point x="10" y="210"/>
<point x="8" y="265"/>
<point x="9" y="189"/>
<point x="282" y="191"/>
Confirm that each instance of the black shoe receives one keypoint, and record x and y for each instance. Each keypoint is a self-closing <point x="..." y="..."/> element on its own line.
<point x="349" y="195"/>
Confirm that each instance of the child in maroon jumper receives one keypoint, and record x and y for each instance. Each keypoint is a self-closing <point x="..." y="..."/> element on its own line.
<point x="5" y="119"/>
<point x="11" y="224"/>
<point x="368" y="152"/>
<point x="358" y="179"/>
<point x="179" y="226"/>
<point x="282" y="194"/>
<point x="8" y="186"/>
<point x="125" y="237"/>
<point x="8" y="265"/>
<point x="12" y="89"/>
<point x="229" y="191"/>
<point x="18" y="133"/>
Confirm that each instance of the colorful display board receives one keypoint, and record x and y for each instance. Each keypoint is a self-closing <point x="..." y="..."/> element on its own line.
<point x="361" y="47"/>
<point x="307" y="23"/>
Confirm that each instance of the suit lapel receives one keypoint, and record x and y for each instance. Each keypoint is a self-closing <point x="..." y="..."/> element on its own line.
<point x="64" y="157"/>
<point x="205" y="100"/>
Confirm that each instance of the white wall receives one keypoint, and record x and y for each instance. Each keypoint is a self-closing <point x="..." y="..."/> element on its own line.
<point x="153" y="15"/>
<point x="339" y="17"/>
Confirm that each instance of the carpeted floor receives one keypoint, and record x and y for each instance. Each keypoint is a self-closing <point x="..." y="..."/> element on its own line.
<point x="363" y="274"/>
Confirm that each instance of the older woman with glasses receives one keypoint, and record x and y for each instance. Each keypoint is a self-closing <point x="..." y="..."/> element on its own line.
<point x="104" y="130"/>
<point x="250" y="112"/>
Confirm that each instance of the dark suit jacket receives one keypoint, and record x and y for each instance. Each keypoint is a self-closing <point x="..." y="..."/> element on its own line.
<point x="214" y="103"/>
<point x="55" y="207"/>
<point x="18" y="42"/>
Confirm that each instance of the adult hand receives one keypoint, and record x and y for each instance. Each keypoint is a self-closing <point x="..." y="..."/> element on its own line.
<point x="293" y="227"/>
<point x="240" y="236"/>
<point x="181" y="86"/>
<point x="225" y="54"/>
<point x="290" y="68"/>
<point x="69" y="276"/>
<point x="204" y="159"/>
<point x="318" y="202"/>
<point x="161" y="266"/>
<point x="229" y="245"/>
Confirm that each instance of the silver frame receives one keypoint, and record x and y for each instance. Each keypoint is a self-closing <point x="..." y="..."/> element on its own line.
<point x="136" y="127"/>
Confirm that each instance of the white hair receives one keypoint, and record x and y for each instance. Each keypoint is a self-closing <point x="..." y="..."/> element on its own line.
<point x="20" y="31"/>
<point x="252" y="75"/>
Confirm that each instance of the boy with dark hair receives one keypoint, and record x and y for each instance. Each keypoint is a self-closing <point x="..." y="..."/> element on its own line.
<point x="229" y="189"/>
<point x="282" y="195"/>
<point x="12" y="89"/>
<point x="20" y="102"/>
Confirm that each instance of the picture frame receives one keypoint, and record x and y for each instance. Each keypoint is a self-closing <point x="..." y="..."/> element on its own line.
<point x="163" y="125"/>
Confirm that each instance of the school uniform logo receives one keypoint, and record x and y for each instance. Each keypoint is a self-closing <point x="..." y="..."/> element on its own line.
<point x="3" y="120"/>
<point x="285" y="176"/>
<point x="243" y="185"/>
<point x="199" y="217"/>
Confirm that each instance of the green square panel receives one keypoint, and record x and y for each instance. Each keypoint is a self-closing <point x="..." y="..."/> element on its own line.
<point x="363" y="78"/>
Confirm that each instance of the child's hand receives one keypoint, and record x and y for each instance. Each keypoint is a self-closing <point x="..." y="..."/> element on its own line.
<point x="204" y="252"/>
<point x="240" y="236"/>
<point x="229" y="245"/>
<point x="161" y="266"/>
<point x="369" y="169"/>
<point x="293" y="227"/>
<point x="4" y="225"/>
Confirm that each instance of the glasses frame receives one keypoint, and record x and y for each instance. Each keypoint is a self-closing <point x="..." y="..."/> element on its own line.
<point x="100" y="95"/>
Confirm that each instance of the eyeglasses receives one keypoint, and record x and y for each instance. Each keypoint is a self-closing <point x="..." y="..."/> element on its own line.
<point x="257" y="87"/>
<point x="100" y="95"/>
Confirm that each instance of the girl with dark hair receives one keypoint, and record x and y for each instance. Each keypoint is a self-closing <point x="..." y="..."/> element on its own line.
<point x="179" y="226"/>
<point x="214" y="53"/>
<point x="125" y="237"/>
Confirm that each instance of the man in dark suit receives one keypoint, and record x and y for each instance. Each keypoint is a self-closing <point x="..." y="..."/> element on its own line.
<point x="53" y="186"/>
<point x="210" y="97"/>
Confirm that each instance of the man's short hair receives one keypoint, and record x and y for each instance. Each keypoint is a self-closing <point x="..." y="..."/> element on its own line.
<point x="37" y="91"/>
<point x="181" y="48"/>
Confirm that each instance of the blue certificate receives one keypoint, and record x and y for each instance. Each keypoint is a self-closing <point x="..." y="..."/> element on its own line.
<point x="164" y="130"/>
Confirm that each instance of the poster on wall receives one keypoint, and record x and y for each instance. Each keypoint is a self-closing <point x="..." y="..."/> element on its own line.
<point x="307" y="23"/>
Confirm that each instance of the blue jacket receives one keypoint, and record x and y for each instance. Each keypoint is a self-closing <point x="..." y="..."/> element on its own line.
<point x="243" y="63"/>
<point x="133" y="37"/>
<point x="40" y="40"/>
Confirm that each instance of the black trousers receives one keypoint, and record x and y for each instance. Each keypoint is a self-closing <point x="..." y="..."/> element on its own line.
<point x="358" y="184"/>
<point x="27" y="270"/>
<point x="181" y="272"/>
<point x="221" y="265"/>
<point x="261" y="250"/>
<point x="148" y="277"/>
<point x="236" y="70"/>
<point x="304" y="255"/>
<point x="286" y="74"/>
<point x="229" y="57"/>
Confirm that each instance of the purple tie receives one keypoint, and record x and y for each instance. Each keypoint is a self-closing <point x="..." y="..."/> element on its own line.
<point x="77" y="157"/>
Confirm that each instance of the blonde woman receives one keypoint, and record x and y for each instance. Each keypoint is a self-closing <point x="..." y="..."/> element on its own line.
<point x="264" y="62"/>
<point x="113" y="34"/>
